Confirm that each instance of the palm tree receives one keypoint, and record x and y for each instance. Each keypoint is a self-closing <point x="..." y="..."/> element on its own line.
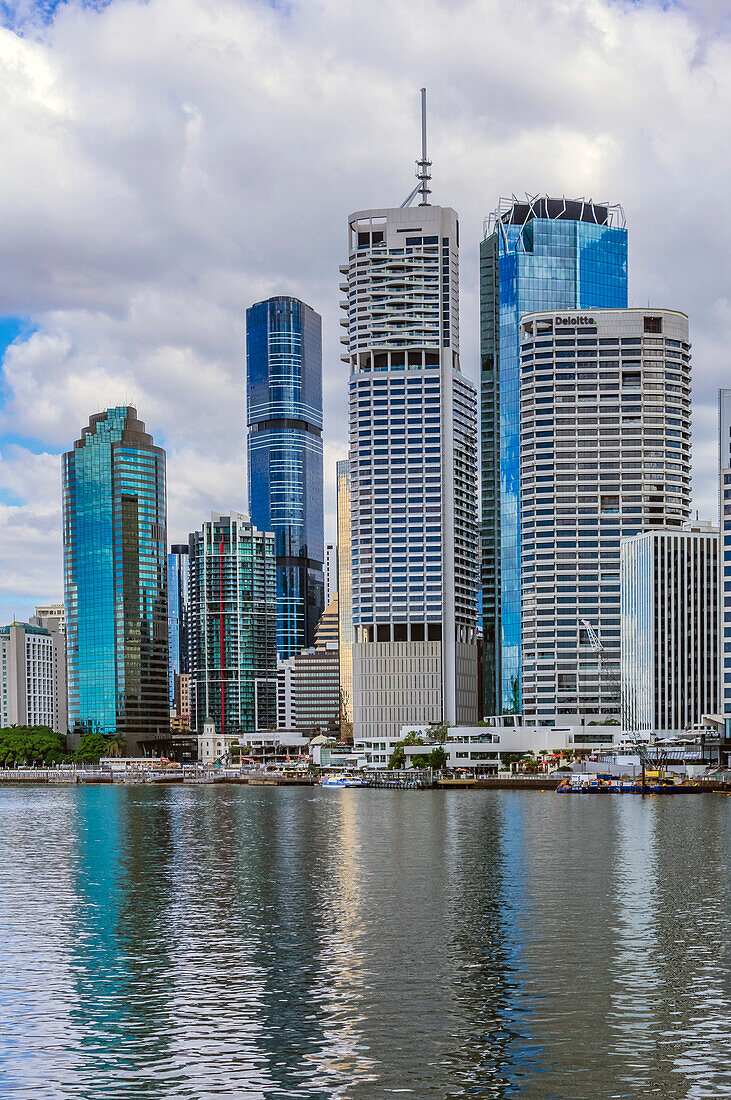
<point x="117" y="744"/>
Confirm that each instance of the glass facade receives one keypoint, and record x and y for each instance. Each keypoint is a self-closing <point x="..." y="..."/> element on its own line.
<point x="232" y="624"/>
<point x="537" y="255"/>
<point x="284" y="450"/>
<point x="115" y="580"/>
<point x="177" y="615"/>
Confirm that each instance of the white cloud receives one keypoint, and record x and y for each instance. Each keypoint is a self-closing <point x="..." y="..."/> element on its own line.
<point x="167" y="163"/>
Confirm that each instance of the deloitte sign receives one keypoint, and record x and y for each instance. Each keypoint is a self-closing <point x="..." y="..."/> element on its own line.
<point x="575" y="321"/>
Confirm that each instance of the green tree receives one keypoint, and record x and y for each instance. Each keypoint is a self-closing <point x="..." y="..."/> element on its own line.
<point x="31" y="745"/>
<point x="437" y="759"/>
<point x="91" y="747"/>
<point x="439" y="732"/>
<point x="398" y="757"/>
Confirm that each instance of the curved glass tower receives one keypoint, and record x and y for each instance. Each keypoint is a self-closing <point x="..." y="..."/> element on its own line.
<point x="115" y="584"/>
<point x="537" y="254"/>
<point x="284" y="451"/>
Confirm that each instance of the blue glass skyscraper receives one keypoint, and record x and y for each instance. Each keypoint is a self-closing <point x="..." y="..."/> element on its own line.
<point x="284" y="451"/>
<point x="177" y="615"/>
<point x="540" y="254"/>
<point x="115" y="585"/>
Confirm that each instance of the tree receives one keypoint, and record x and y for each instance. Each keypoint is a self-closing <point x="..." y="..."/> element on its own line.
<point x="31" y="745"/>
<point x="439" y="732"/>
<point x="398" y="756"/>
<point x="91" y="747"/>
<point x="437" y="759"/>
<point x="116" y="744"/>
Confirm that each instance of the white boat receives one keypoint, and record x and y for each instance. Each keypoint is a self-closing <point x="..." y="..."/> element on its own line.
<point x="342" y="781"/>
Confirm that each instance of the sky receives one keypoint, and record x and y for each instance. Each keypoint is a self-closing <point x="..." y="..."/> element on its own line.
<point x="167" y="163"/>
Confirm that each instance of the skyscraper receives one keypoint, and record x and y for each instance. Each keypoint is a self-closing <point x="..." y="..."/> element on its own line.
<point x="114" y="529"/>
<point x="284" y="448"/>
<point x="724" y="523"/>
<point x="541" y="254"/>
<point x="177" y="616"/>
<point x="413" y="470"/>
<point x="669" y="582"/>
<point x="604" y="453"/>
<point x="345" y="600"/>
<point x="232" y="626"/>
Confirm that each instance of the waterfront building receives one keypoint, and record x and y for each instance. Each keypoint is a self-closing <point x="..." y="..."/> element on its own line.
<point x="413" y="469"/>
<point x="604" y="453"/>
<point x="232" y="626"/>
<point x="114" y="535"/>
<point x="32" y="677"/>
<point x="331" y="572"/>
<point x="177" y="619"/>
<point x="669" y="582"/>
<point x="284" y="449"/>
<point x="537" y="254"/>
<point x="724" y="519"/>
<point x="345" y="600"/>
<point x="52" y="617"/>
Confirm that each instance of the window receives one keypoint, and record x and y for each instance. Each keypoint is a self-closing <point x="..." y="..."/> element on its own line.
<point x="653" y="324"/>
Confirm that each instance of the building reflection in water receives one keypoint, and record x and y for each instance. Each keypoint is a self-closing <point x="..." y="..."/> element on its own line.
<point x="191" y="943"/>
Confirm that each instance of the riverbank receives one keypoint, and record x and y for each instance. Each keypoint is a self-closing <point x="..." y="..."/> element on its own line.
<point x="215" y="776"/>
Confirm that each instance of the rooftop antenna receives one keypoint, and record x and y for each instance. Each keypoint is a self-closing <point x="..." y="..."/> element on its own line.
<point x="423" y="174"/>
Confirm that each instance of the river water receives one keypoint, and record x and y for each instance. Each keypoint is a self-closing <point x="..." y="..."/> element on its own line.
<point x="288" y="942"/>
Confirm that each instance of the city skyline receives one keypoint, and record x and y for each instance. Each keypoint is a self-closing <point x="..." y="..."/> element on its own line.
<point x="141" y="329"/>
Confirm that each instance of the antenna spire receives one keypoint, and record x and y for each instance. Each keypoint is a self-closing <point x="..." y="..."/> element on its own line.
<point x="424" y="175"/>
<point x="423" y="165"/>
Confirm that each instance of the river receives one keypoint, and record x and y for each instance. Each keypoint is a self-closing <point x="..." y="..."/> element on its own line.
<point x="292" y="942"/>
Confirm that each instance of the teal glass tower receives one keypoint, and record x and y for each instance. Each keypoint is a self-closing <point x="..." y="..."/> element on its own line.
<point x="537" y="254"/>
<point x="284" y="452"/>
<point x="115" y="585"/>
<point x="232" y="625"/>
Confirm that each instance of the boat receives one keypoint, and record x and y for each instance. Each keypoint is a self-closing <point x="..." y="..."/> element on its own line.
<point x="342" y="781"/>
<point x="607" y="784"/>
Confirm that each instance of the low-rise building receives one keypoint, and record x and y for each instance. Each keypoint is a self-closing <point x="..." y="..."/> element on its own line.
<point x="480" y="747"/>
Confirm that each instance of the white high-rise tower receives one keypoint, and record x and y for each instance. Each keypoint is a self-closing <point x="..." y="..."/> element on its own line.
<point x="413" y="469"/>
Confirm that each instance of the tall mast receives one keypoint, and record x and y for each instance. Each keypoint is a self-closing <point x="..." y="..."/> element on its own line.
<point x="423" y="174"/>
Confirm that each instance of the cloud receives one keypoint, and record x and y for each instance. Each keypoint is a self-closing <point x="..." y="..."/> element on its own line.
<point x="166" y="164"/>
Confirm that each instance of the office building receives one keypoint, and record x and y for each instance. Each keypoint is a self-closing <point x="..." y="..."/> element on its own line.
<point x="232" y="626"/>
<point x="669" y="582"/>
<point x="326" y="632"/>
<point x="724" y="573"/>
<point x="538" y="254"/>
<point x="345" y="601"/>
<point x="32" y="677"/>
<point x="177" y="619"/>
<point x="331" y="572"/>
<point x="604" y="454"/>
<point x="284" y="449"/>
<point x="52" y="617"/>
<point x="413" y="470"/>
<point x="115" y="581"/>
<point x="308" y="683"/>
